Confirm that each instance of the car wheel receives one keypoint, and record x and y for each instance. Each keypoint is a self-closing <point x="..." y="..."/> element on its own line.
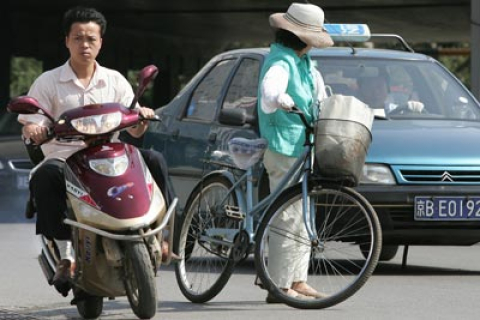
<point x="386" y="254"/>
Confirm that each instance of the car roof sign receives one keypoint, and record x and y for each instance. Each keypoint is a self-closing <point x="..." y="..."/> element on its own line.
<point x="348" y="32"/>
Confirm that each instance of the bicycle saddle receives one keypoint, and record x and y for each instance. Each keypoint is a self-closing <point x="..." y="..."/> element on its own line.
<point x="246" y="152"/>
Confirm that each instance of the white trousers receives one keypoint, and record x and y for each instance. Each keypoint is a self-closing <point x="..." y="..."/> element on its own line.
<point x="288" y="258"/>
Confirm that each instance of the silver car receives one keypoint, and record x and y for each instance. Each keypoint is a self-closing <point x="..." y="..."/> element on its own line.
<point x="15" y="166"/>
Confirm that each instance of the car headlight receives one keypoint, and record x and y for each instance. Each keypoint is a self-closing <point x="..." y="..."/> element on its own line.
<point x="110" y="167"/>
<point x="377" y="174"/>
<point x="98" y="124"/>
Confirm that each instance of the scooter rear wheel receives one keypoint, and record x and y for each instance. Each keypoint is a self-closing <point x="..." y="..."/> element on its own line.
<point x="140" y="280"/>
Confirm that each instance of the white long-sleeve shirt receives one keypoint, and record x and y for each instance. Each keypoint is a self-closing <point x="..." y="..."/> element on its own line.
<point x="275" y="84"/>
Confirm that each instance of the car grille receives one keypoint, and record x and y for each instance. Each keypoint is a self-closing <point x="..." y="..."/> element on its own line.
<point x="439" y="176"/>
<point x="402" y="218"/>
<point x="20" y="164"/>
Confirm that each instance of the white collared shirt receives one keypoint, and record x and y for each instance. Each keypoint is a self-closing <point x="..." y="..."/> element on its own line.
<point x="59" y="90"/>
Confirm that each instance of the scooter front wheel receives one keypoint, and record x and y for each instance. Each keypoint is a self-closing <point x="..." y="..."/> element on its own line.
<point x="140" y="280"/>
<point x="89" y="307"/>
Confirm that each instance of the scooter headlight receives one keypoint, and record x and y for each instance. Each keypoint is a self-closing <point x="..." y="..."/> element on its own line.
<point x="110" y="167"/>
<point x="98" y="124"/>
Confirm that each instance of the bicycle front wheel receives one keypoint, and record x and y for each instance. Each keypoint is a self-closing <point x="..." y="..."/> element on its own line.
<point x="331" y="264"/>
<point x="205" y="240"/>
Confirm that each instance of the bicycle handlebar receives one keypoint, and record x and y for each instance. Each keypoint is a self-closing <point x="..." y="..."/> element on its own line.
<point x="300" y="113"/>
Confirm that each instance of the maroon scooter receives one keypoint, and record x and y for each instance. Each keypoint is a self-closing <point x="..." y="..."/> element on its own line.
<point x="116" y="211"/>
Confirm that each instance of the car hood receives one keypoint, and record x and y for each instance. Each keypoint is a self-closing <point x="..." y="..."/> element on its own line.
<point x="12" y="147"/>
<point x="425" y="142"/>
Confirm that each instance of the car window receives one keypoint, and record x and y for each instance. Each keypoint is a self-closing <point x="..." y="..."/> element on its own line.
<point x="204" y="101"/>
<point x="422" y="81"/>
<point x="243" y="89"/>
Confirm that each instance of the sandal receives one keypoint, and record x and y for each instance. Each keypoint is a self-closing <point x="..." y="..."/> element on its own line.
<point x="290" y="292"/>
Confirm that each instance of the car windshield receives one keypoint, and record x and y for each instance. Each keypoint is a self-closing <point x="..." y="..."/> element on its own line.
<point x="392" y="85"/>
<point x="9" y="124"/>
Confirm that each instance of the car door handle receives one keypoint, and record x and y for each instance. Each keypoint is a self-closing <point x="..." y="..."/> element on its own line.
<point x="175" y="133"/>
<point x="212" y="137"/>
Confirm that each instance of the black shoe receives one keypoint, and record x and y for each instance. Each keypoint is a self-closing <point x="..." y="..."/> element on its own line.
<point x="63" y="276"/>
<point x="271" y="299"/>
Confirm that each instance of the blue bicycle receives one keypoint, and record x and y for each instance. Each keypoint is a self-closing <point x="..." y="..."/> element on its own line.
<point x="222" y="224"/>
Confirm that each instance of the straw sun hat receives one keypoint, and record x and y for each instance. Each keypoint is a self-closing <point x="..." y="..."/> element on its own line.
<point x="306" y="22"/>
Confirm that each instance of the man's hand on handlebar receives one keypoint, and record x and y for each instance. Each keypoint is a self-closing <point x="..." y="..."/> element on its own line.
<point x="33" y="133"/>
<point x="145" y="114"/>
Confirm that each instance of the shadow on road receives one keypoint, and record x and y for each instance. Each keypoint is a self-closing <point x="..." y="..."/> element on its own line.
<point x="383" y="269"/>
<point x="120" y="309"/>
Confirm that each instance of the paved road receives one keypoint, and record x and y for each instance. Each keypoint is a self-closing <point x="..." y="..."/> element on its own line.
<point x="439" y="283"/>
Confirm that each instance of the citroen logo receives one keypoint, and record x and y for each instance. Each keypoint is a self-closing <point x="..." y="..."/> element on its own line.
<point x="447" y="177"/>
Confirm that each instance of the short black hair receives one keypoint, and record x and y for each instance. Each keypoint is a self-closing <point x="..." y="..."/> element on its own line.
<point x="288" y="39"/>
<point x="83" y="15"/>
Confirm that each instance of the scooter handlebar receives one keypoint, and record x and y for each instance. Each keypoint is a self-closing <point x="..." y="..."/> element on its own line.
<point x="155" y="118"/>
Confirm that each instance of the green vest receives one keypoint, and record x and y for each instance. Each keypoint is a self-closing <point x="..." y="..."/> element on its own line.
<point x="285" y="131"/>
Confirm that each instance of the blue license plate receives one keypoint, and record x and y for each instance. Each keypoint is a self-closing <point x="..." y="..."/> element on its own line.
<point x="447" y="208"/>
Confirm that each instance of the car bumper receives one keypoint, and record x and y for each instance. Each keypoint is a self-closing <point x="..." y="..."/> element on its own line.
<point x="395" y="208"/>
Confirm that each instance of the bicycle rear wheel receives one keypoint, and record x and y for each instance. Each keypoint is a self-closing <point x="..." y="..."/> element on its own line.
<point x="205" y="240"/>
<point x="343" y="220"/>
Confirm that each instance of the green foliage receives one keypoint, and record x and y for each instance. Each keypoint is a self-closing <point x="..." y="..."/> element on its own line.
<point x="455" y="56"/>
<point x="23" y="72"/>
<point x="458" y="65"/>
<point x="147" y="99"/>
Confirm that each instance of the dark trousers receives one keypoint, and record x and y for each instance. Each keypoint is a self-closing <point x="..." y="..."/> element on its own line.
<point x="49" y="193"/>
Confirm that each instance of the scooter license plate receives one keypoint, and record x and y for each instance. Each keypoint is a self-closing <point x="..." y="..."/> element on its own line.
<point x="22" y="182"/>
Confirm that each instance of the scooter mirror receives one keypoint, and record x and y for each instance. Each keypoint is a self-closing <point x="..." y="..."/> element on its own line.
<point x="146" y="75"/>
<point x="27" y="105"/>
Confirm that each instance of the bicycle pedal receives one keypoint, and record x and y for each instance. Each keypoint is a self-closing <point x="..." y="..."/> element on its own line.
<point x="234" y="212"/>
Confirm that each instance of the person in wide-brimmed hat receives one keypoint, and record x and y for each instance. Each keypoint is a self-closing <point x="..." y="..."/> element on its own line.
<point x="306" y="22"/>
<point x="288" y="78"/>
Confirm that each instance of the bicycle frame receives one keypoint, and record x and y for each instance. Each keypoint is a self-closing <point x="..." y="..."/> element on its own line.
<point x="224" y="222"/>
<point x="300" y="171"/>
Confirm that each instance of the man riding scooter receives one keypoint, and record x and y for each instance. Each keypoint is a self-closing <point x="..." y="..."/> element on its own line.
<point x="80" y="81"/>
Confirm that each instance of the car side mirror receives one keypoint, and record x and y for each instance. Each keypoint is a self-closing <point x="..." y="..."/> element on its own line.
<point x="28" y="105"/>
<point x="237" y="117"/>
